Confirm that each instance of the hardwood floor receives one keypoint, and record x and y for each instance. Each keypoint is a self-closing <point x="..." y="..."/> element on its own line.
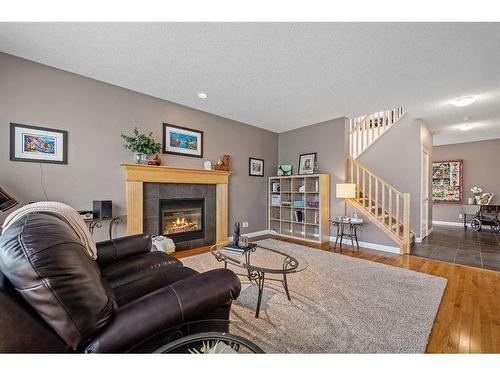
<point x="468" y="319"/>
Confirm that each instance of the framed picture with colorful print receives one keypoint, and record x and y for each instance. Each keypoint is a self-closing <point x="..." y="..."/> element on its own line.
<point x="179" y="140"/>
<point x="256" y="167"/>
<point x="37" y="144"/>
<point x="307" y="163"/>
<point x="447" y="181"/>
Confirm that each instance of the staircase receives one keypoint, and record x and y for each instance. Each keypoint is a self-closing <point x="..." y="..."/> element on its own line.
<point x="365" y="130"/>
<point x="382" y="203"/>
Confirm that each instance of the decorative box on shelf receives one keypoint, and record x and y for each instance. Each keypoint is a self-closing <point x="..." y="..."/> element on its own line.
<point x="298" y="204"/>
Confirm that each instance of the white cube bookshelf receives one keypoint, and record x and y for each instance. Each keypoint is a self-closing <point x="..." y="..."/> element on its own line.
<point x="301" y="207"/>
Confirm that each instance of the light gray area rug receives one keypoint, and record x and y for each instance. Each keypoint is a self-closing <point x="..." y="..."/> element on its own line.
<point x="339" y="304"/>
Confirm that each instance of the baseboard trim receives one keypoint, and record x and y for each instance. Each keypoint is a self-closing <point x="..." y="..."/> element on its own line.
<point x="370" y="245"/>
<point x="253" y="234"/>
<point x="345" y="241"/>
<point x="429" y="231"/>
<point x="448" y="223"/>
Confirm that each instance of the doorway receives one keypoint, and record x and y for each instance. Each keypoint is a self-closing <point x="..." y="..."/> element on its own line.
<point x="424" y="206"/>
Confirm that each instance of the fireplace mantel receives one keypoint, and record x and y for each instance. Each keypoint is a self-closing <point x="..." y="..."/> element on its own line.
<point x="137" y="174"/>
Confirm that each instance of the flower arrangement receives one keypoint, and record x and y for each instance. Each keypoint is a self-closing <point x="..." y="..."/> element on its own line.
<point x="143" y="145"/>
<point x="477" y="191"/>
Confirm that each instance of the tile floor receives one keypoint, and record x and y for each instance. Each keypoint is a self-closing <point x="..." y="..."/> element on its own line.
<point x="456" y="245"/>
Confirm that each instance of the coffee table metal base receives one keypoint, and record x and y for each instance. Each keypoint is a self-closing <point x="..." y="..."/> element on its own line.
<point x="257" y="271"/>
<point x="260" y="278"/>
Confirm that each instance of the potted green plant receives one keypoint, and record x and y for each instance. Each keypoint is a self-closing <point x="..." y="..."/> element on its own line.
<point x="144" y="146"/>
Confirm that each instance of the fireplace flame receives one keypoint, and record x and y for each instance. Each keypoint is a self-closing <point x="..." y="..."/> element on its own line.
<point x="182" y="224"/>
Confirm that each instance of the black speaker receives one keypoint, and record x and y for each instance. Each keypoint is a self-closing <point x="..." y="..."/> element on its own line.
<point x="102" y="209"/>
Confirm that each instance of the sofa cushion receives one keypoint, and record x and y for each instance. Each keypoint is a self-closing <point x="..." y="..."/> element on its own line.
<point x="45" y="261"/>
<point x="137" y="267"/>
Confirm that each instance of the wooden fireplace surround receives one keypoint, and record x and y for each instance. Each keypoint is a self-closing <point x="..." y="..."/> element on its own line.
<point x="137" y="174"/>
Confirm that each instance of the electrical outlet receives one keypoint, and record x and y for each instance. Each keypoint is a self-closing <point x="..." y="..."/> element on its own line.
<point x="460" y="216"/>
<point x="244" y="224"/>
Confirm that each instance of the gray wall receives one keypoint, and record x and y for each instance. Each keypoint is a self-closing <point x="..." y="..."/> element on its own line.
<point x="481" y="168"/>
<point x="95" y="114"/>
<point x="395" y="158"/>
<point x="328" y="139"/>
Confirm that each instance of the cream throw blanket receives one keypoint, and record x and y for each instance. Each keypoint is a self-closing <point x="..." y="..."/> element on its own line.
<point x="65" y="212"/>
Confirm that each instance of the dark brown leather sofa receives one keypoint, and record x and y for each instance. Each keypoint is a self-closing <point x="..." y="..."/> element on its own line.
<point x="54" y="298"/>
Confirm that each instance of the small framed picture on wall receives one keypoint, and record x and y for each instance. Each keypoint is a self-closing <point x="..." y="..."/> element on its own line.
<point x="307" y="163"/>
<point x="38" y="144"/>
<point x="256" y="167"/>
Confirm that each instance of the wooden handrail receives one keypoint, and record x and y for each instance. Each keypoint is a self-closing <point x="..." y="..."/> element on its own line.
<point x="373" y="175"/>
<point x="390" y="210"/>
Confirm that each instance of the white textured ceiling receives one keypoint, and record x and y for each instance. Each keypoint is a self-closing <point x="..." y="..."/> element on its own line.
<point x="281" y="76"/>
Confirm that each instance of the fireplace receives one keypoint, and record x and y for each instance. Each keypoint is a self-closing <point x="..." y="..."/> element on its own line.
<point x="182" y="219"/>
<point x="184" y="212"/>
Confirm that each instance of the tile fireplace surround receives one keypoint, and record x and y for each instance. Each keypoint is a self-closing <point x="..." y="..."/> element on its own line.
<point x="137" y="176"/>
<point x="154" y="192"/>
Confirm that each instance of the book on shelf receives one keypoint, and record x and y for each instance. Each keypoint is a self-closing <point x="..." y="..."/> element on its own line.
<point x="299" y="216"/>
<point x="275" y="200"/>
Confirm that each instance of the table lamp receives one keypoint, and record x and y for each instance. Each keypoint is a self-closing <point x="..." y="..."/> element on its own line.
<point x="346" y="191"/>
<point x="6" y="201"/>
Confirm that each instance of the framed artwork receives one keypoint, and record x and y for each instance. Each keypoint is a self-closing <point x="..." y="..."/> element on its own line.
<point x="285" y="170"/>
<point x="447" y="181"/>
<point x="256" y="167"/>
<point x="486" y="198"/>
<point x="306" y="163"/>
<point x="38" y="145"/>
<point x="178" y="140"/>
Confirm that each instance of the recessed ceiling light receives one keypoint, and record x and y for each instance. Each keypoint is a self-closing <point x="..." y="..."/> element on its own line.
<point x="464" y="101"/>
<point x="466" y="127"/>
<point x="202" y="95"/>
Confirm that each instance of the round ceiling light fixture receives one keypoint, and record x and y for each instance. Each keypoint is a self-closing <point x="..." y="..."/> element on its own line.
<point x="464" y="101"/>
<point x="202" y="95"/>
<point x="466" y="127"/>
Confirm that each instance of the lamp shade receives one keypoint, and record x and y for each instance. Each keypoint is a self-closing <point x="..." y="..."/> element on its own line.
<point x="6" y="201"/>
<point x="346" y="191"/>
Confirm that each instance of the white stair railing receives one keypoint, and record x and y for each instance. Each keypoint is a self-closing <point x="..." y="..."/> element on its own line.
<point x="365" y="130"/>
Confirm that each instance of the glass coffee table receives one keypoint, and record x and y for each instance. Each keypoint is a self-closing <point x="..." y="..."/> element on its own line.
<point x="259" y="263"/>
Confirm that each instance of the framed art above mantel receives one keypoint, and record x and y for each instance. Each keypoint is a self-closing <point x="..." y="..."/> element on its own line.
<point x="178" y="140"/>
<point x="447" y="181"/>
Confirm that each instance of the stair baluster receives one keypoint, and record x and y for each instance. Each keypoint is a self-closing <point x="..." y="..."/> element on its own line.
<point x="365" y="130"/>
<point x="390" y="211"/>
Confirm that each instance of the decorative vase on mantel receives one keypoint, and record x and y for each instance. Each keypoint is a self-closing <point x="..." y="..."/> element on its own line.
<point x="142" y="145"/>
<point x="141" y="158"/>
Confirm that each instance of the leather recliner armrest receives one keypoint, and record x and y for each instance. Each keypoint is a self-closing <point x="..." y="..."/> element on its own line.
<point x="123" y="247"/>
<point x="166" y="307"/>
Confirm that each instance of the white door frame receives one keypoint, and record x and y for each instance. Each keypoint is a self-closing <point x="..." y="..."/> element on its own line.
<point x="424" y="193"/>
